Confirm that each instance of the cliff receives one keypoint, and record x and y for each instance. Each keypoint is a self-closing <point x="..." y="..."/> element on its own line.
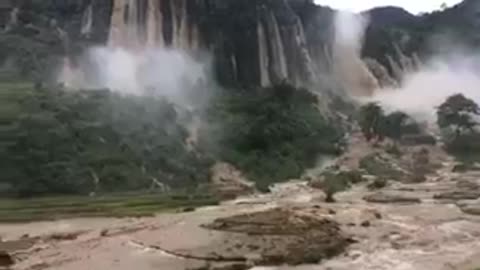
<point x="258" y="42"/>
<point x="400" y="40"/>
<point x="255" y="42"/>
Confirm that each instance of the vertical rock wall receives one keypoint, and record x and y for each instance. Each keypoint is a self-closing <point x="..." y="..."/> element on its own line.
<point x="257" y="42"/>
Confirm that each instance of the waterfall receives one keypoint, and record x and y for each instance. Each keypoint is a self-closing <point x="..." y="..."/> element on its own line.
<point x="180" y="27"/>
<point x="136" y="25"/>
<point x="154" y="25"/>
<point x="13" y="20"/>
<point x="132" y="21"/>
<point x="306" y="59"/>
<point x="263" y="55"/>
<point x="118" y="23"/>
<point x="87" y="21"/>
<point x="233" y="61"/>
<point x="279" y="70"/>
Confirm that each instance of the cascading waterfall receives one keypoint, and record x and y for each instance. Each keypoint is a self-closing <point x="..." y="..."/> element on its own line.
<point x="137" y="58"/>
<point x="87" y="21"/>
<point x="278" y="59"/>
<point x="301" y="41"/>
<point x="13" y="20"/>
<point x="134" y="25"/>
<point x="118" y="23"/>
<point x="263" y="56"/>
<point x="283" y="51"/>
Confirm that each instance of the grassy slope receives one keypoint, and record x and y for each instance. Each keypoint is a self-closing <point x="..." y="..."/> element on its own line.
<point x="113" y="205"/>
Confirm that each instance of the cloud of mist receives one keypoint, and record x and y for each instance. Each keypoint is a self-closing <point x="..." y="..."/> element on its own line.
<point x="423" y="91"/>
<point x="160" y="72"/>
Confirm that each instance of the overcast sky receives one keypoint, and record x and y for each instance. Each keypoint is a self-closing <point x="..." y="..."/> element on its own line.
<point x="414" y="6"/>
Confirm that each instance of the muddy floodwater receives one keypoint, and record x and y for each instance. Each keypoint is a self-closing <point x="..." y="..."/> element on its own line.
<point x="430" y="234"/>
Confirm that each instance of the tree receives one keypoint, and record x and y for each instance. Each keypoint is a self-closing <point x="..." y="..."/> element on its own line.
<point x="398" y="124"/>
<point x="371" y="121"/>
<point x="458" y="113"/>
<point x="457" y="119"/>
<point x="272" y="134"/>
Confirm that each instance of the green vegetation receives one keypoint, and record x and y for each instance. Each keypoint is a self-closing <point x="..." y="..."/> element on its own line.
<point x="57" y="142"/>
<point x="271" y="134"/>
<point x="457" y="120"/>
<point x="375" y="125"/>
<point x="337" y="181"/>
<point x="77" y="142"/>
<point x="119" y="205"/>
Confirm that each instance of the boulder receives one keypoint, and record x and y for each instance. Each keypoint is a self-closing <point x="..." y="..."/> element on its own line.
<point x="382" y="197"/>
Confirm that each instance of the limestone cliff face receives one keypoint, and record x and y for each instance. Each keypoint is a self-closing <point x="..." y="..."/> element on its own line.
<point x="256" y="42"/>
<point x="253" y="43"/>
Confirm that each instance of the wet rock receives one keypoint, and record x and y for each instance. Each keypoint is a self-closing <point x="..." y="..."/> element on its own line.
<point x="284" y="236"/>
<point x="5" y="259"/>
<point x="458" y="195"/>
<point x="229" y="183"/>
<point x="381" y="197"/>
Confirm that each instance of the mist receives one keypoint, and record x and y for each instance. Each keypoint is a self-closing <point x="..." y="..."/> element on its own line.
<point x="423" y="91"/>
<point x="168" y="73"/>
<point x="452" y="70"/>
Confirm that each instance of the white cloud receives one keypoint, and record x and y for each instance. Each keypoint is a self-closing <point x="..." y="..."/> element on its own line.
<point x="414" y="6"/>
